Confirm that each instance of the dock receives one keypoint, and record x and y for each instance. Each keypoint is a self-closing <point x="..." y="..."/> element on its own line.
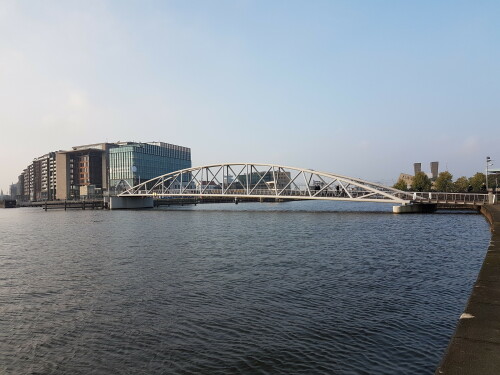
<point x="7" y="203"/>
<point x="67" y="204"/>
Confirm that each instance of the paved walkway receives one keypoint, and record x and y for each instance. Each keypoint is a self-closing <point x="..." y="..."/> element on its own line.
<point x="475" y="346"/>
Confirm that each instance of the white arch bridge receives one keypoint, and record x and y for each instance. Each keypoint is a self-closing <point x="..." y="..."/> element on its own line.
<point x="252" y="181"/>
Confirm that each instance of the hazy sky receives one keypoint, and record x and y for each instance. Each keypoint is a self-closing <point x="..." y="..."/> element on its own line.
<point x="361" y="88"/>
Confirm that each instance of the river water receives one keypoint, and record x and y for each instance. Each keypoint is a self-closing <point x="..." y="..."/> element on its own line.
<point x="288" y="288"/>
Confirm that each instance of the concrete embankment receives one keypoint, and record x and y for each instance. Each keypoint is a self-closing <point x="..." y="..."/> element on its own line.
<point x="475" y="346"/>
<point x="8" y="203"/>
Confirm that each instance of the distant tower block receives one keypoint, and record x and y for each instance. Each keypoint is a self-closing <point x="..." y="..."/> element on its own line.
<point x="434" y="169"/>
<point x="417" y="167"/>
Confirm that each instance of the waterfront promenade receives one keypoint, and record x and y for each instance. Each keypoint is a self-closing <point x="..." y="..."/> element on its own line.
<point x="475" y="345"/>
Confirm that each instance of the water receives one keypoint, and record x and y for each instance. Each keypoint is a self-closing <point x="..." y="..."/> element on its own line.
<point x="292" y="288"/>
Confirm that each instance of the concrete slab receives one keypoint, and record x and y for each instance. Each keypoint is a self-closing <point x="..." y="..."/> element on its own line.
<point x="470" y="357"/>
<point x="485" y="292"/>
<point x="480" y="322"/>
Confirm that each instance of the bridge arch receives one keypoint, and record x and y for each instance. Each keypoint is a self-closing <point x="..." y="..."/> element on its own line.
<point x="264" y="181"/>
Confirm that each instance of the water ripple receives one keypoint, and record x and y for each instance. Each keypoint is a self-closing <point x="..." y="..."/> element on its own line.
<point x="247" y="289"/>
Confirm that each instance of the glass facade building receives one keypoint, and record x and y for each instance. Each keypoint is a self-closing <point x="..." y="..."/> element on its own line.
<point x="131" y="163"/>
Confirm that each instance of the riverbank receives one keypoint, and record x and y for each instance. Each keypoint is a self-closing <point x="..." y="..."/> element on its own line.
<point x="475" y="345"/>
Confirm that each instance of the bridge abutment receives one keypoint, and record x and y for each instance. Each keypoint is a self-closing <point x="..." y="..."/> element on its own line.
<point x="419" y="208"/>
<point x="118" y="203"/>
<point x="492" y="198"/>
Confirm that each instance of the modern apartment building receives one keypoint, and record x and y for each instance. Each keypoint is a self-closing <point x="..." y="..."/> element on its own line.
<point x="38" y="180"/>
<point x="44" y="177"/>
<point x="434" y="169"/>
<point x="98" y="169"/>
<point x="82" y="171"/>
<point x="27" y="187"/>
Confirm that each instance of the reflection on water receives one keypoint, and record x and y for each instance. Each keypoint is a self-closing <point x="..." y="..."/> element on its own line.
<point x="295" y="288"/>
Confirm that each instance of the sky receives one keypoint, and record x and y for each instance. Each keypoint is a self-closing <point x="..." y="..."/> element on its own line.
<point x="358" y="88"/>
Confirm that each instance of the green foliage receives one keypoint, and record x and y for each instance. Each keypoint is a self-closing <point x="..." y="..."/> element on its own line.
<point x="421" y="182"/>
<point x="478" y="182"/>
<point x="461" y="185"/>
<point x="401" y="185"/>
<point x="444" y="182"/>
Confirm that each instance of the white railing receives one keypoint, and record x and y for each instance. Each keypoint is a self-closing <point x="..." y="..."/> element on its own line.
<point x="449" y="198"/>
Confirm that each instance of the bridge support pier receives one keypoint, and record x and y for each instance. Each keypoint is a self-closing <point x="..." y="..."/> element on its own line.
<point x="418" y="208"/>
<point x="492" y="198"/>
<point x="117" y="203"/>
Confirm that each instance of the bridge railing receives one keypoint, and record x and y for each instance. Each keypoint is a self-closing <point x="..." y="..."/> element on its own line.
<point x="330" y="193"/>
<point x="450" y="198"/>
<point x="416" y="197"/>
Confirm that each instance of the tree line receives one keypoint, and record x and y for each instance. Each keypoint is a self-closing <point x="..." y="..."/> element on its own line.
<point x="444" y="182"/>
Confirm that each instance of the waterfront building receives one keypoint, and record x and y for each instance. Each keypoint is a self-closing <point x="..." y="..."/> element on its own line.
<point x="38" y="180"/>
<point x="45" y="177"/>
<point x="434" y="169"/>
<point x="132" y="163"/>
<point x="22" y="183"/>
<point x="82" y="171"/>
<point x="267" y="180"/>
<point x="28" y="181"/>
<point x="91" y="171"/>
<point x="20" y="187"/>
<point x="407" y="178"/>
<point x="417" y="168"/>
<point x="13" y="191"/>
<point x="208" y="186"/>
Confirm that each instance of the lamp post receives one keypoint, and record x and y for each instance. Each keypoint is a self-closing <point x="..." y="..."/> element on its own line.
<point x="488" y="161"/>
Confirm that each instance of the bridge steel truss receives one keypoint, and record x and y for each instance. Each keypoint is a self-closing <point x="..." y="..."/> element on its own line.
<point x="264" y="181"/>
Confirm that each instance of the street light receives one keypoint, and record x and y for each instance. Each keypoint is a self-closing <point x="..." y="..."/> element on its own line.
<point x="488" y="164"/>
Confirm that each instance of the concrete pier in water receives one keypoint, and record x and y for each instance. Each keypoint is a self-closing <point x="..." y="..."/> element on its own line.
<point x="418" y="208"/>
<point x="475" y="346"/>
<point x="117" y="203"/>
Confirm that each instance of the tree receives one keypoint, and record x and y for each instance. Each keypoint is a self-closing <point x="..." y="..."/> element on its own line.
<point x="461" y="185"/>
<point x="444" y="182"/>
<point x="421" y="182"/>
<point x="401" y="185"/>
<point x="492" y="180"/>
<point x="478" y="182"/>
